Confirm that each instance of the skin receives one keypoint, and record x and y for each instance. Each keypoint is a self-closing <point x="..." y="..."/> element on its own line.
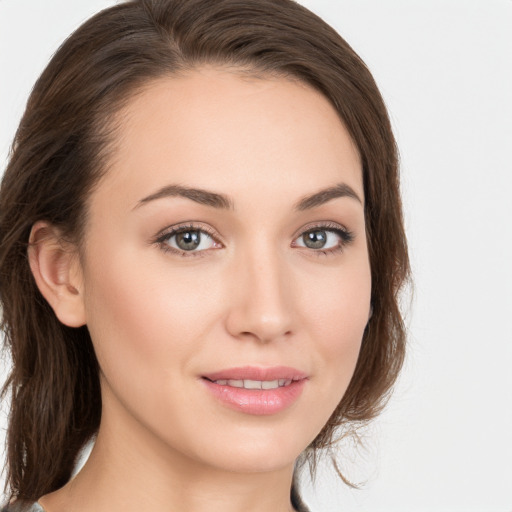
<point x="255" y="295"/>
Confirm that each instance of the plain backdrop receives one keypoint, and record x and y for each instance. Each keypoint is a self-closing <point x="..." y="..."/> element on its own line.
<point x="445" y="70"/>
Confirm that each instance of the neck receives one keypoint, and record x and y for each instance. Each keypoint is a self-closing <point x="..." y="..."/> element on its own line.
<point x="131" y="470"/>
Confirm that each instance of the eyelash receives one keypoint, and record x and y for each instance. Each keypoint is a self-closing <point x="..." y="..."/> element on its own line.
<point x="346" y="238"/>
<point x="163" y="237"/>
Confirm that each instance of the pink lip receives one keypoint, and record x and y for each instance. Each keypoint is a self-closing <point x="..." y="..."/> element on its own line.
<point x="257" y="401"/>
<point x="256" y="373"/>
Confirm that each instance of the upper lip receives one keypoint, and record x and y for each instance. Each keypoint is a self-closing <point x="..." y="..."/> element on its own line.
<point x="256" y="373"/>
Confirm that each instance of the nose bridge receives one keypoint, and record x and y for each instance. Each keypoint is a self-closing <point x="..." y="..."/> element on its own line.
<point x="261" y="304"/>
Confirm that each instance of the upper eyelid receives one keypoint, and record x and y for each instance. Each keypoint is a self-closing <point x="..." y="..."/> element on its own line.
<point x="325" y="225"/>
<point x="198" y="226"/>
<point x="192" y="226"/>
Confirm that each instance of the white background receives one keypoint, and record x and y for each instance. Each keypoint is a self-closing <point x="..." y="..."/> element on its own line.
<point x="445" y="70"/>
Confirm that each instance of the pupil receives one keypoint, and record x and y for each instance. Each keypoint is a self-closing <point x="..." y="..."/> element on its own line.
<point x="188" y="240"/>
<point x="315" y="239"/>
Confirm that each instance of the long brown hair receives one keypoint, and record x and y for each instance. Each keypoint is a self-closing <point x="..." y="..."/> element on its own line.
<point x="61" y="150"/>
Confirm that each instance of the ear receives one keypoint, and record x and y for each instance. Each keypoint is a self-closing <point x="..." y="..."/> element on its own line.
<point x="57" y="270"/>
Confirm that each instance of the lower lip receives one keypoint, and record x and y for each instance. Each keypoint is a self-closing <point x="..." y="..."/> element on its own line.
<point x="257" y="401"/>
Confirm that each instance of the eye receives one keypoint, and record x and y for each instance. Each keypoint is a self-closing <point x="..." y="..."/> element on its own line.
<point x="187" y="240"/>
<point x="324" y="239"/>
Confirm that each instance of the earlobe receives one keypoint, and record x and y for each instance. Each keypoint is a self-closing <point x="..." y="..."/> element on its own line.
<point x="57" y="271"/>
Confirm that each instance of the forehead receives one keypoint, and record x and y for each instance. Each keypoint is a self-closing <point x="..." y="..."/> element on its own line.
<point x="222" y="130"/>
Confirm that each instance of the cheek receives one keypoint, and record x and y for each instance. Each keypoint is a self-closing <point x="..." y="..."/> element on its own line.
<point x="339" y="303"/>
<point x="338" y="315"/>
<point x="141" y="318"/>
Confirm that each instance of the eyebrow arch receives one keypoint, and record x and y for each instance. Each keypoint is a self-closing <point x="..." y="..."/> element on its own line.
<point x="222" y="201"/>
<point x="195" y="194"/>
<point x="325" y="195"/>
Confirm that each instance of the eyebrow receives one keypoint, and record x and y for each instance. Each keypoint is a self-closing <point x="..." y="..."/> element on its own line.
<point x="195" y="194"/>
<point x="325" y="195"/>
<point x="222" y="201"/>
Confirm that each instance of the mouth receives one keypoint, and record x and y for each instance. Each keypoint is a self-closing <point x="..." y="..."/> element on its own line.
<point x="256" y="391"/>
<point x="253" y="384"/>
<point x="281" y="374"/>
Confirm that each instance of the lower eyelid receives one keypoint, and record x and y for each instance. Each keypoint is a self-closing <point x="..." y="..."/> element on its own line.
<point x="346" y="237"/>
<point x="162" y="240"/>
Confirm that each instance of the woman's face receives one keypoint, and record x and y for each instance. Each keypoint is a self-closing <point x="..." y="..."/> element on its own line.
<point x="225" y="251"/>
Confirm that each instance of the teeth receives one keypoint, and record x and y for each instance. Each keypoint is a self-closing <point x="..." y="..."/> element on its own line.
<point x="255" y="384"/>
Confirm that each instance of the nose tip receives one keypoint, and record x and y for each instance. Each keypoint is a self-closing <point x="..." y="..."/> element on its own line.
<point x="266" y="329"/>
<point x="261" y="303"/>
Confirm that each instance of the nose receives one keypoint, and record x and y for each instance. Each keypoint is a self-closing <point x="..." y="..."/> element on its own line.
<point x="261" y="302"/>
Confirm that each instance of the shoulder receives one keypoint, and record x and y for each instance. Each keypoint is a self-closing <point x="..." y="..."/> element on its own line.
<point x="18" y="506"/>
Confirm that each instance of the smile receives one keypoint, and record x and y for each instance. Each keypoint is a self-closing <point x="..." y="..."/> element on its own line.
<point x="254" y="384"/>
<point x="256" y="391"/>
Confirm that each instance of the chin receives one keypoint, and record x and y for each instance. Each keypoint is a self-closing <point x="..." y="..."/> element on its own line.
<point x="264" y="450"/>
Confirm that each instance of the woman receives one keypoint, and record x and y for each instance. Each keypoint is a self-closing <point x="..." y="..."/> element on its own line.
<point x="201" y="253"/>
